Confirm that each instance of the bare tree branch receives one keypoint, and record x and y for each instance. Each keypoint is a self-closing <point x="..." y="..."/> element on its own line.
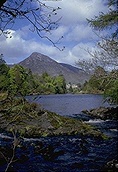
<point x="104" y="56"/>
<point x="15" y="144"/>
<point x="37" y="14"/>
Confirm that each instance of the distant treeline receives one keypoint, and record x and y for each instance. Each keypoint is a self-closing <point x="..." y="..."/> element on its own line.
<point x="20" y="81"/>
<point x="103" y="82"/>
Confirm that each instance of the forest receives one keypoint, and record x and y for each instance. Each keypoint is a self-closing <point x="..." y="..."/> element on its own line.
<point x="17" y="80"/>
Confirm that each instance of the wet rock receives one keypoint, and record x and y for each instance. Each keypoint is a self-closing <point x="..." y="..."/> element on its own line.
<point x="83" y="146"/>
<point x="84" y="150"/>
<point x="48" y="152"/>
<point x="2" y="159"/>
<point x="23" y="147"/>
<point x="11" y="169"/>
<point x="23" y="158"/>
<point x="37" y="122"/>
<point x="78" y="165"/>
<point x="103" y="113"/>
<point x="58" y="153"/>
<point x="111" y="166"/>
<point x="38" y="148"/>
<point x="6" y="151"/>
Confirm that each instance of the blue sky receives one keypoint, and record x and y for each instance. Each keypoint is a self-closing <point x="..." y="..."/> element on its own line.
<point x="73" y="26"/>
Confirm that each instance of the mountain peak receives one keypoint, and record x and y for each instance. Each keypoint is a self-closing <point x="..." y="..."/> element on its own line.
<point x="40" y="63"/>
<point x="35" y="56"/>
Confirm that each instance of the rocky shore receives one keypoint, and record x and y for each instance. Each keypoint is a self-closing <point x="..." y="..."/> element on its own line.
<point x="103" y="113"/>
<point x="29" y="120"/>
<point x="34" y="138"/>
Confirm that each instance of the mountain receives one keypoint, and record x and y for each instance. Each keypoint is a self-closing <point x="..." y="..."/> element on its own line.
<point x="39" y="63"/>
<point x="72" y="68"/>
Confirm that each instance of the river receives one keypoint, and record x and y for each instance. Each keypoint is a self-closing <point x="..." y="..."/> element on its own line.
<point x="69" y="104"/>
<point x="68" y="153"/>
<point x="73" y="104"/>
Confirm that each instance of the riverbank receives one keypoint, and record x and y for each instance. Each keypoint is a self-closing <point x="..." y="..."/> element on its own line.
<point x="45" y="141"/>
<point x="30" y="120"/>
<point x="103" y="113"/>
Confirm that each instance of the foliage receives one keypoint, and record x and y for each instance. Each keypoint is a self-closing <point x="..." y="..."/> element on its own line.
<point x="108" y="20"/>
<point x="105" y="56"/>
<point x="112" y="86"/>
<point x="60" y="84"/>
<point x="2" y="61"/>
<point x="16" y="80"/>
<point x="47" y="84"/>
<point x="105" y="83"/>
<point x="4" y="79"/>
<point x="20" y="81"/>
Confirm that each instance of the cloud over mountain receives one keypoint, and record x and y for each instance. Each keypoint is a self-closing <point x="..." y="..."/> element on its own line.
<point x="77" y="35"/>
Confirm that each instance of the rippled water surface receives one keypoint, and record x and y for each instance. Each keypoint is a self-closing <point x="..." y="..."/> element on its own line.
<point x="69" y="104"/>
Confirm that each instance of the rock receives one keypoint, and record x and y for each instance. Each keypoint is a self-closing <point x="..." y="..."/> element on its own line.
<point x="48" y="152"/>
<point x="11" y="169"/>
<point x="111" y="166"/>
<point x="78" y="165"/>
<point x="6" y="151"/>
<point x="103" y="113"/>
<point x="35" y="123"/>
<point x="23" y="158"/>
<point x="2" y="159"/>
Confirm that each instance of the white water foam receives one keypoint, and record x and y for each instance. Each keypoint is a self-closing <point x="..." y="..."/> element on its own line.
<point x="3" y="136"/>
<point x="95" y="121"/>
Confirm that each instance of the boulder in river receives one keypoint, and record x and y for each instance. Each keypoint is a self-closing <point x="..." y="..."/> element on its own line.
<point x="30" y="121"/>
<point x="103" y="113"/>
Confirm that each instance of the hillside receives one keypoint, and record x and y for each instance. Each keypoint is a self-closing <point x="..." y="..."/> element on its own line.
<point x="39" y="63"/>
<point x="72" y="68"/>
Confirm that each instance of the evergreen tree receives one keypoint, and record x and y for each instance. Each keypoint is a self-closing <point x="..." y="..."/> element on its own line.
<point x="106" y="55"/>
<point x="107" y="20"/>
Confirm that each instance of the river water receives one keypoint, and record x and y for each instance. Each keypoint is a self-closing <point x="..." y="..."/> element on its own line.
<point x="69" y="104"/>
<point x="68" y="153"/>
<point x="73" y="104"/>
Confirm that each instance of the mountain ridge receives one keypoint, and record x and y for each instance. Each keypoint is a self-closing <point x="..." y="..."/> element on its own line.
<point x="39" y="63"/>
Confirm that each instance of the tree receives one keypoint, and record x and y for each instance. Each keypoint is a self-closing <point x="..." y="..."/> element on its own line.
<point x="60" y="84"/>
<point x="36" y="13"/>
<point x="2" y="61"/>
<point x="4" y="79"/>
<point x="105" y="56"/>
<point x="107" y="50"/>
<point x="47" y="84"/>
<point x="111" y="86"/>
<point x="108" y="20"/>
<point x="18" y="84"/>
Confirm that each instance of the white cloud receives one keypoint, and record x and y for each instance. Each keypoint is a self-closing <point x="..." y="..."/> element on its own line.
<point x="77" y="52"/>
<point x="80" y="32"/>
<point x="74" y="11"/>
<point x="73" y="26"/>
<point x="59" y="32"/>
<point x="80" y="50"/>
<point x="16" y="49"/>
